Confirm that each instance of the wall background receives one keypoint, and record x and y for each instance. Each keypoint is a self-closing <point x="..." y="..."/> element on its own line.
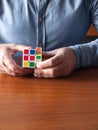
<point x="92" y="31"/>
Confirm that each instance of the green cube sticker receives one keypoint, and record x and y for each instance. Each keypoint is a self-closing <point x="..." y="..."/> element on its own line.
<point x="38" y="57"/>
<point x="32" y="64"/>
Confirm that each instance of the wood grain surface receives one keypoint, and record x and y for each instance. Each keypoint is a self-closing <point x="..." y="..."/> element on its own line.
<point x="69" y="103"/>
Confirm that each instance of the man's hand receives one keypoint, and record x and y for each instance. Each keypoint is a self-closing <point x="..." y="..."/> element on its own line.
<point x="60" y="62"/>
<point x="7" y="64"/>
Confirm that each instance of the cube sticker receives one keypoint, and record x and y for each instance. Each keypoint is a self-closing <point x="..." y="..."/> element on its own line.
<point x="31" y="57"/>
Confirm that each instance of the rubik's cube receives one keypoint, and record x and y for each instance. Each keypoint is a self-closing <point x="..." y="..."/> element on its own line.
<point x="31" y="57"/>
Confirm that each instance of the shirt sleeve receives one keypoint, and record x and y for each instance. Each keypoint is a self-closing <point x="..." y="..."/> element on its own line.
<point x="87" y="53"/>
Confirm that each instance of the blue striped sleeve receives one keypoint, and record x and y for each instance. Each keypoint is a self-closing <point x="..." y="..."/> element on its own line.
<point x="87" y="54"/>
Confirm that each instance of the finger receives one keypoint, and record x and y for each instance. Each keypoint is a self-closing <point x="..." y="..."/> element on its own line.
<point x="6" y="70"/>
<point x="47" y="73"/>
<point x="57" y="71"/>
<point x="11" y="64"/>
<point x="13" y="48"/>
<point x="51" y="62"/>
<point x="48" y="54"/>
<point x="18" y="47"/>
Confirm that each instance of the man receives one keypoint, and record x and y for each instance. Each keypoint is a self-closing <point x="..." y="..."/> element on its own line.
<point x="58" y="26"/>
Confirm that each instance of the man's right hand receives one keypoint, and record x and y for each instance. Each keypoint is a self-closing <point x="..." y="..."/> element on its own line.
<point x="7" y="63"/>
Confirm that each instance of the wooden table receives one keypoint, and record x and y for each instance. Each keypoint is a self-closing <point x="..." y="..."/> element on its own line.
<point x="69" y="103"/>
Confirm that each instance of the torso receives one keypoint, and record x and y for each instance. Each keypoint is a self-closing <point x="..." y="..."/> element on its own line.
<point x="65" y="22"/>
